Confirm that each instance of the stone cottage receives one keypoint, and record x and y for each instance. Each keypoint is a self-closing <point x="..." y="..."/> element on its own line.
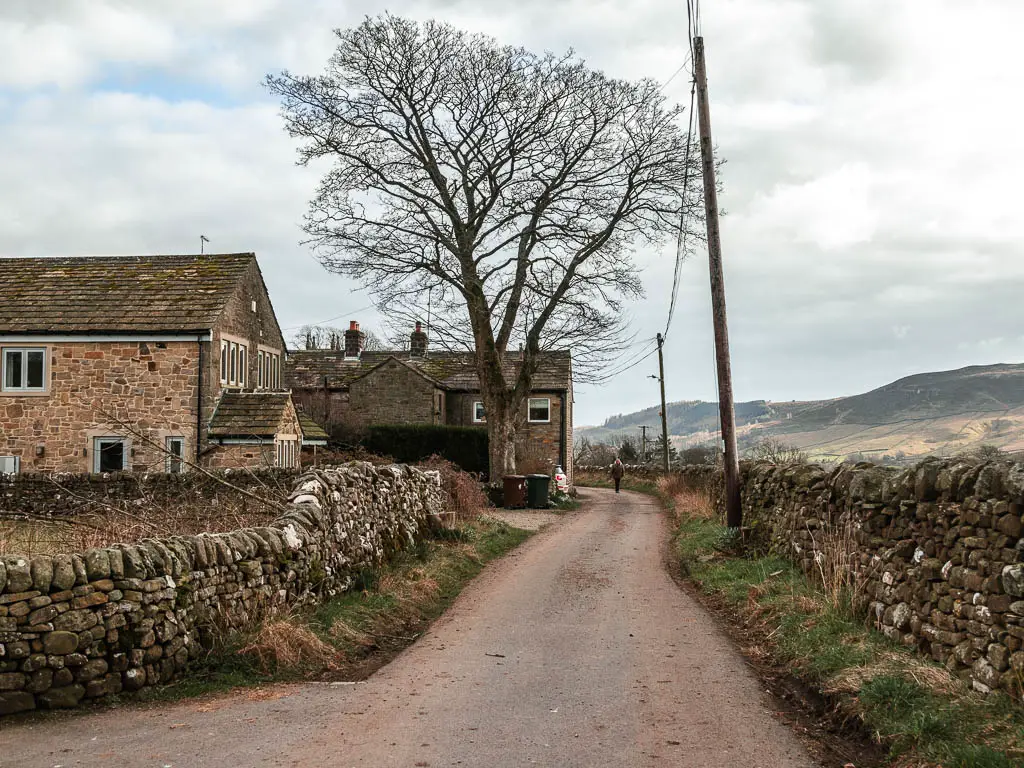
<point x="143" y="363"/>
<point x="352" y="388"/>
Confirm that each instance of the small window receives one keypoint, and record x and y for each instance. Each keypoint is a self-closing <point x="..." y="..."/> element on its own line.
<point x="259" y="368"/>
<point x="24" y="370"/>
<point x="233" y="371"/>
<point x="540" y="409"/>
<point x="10" y="465"/>
<point x="225" y="351"/>
<point x="287" y="453"/>
<point x="241" y="366"/>
<point x="275" y="372"/>
<point x="175" y="455"/>
<point x="110" y="454"/>
<point x="479" y="417"/>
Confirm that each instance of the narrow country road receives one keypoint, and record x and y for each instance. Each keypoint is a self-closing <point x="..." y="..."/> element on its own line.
<point x="578" y="650"/>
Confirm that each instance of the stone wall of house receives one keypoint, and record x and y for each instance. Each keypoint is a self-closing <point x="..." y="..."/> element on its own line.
<point x="233" y="456"/>
<point x="94" y="388"/>
<point x="256" y="328"/>
<point x="936" y="549"/>
<point x="392" y="394"/>
<point x="42" y="495"/>
<point x="81" y="626"/>
<point x="538" y="445"/>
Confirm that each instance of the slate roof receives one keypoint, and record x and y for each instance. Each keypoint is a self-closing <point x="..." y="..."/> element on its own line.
<point x="307" y="369"/>
<point x="311" y="431"/>
<point x="249" y="414"/>
<point x="95" y="294"/>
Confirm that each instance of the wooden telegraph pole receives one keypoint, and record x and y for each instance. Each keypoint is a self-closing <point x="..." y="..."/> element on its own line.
<point x="664" y="411"/>
<point x="733" y="510"/>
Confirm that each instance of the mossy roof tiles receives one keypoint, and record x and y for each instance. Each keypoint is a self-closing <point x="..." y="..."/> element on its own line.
<point x="97" y="294"/>
<point x="249" y="414"/>
<point x="310" y="429"/>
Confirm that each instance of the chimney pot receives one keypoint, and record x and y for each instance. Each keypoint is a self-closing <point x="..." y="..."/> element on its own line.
<point x="418" y="341"/>
<point x="354" y="340"/>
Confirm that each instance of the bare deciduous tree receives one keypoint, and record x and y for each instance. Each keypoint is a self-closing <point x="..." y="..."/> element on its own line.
<point x="509" y="187"/>
<point x="329" y="337"/>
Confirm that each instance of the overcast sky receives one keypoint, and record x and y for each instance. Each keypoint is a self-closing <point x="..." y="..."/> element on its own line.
<point x="873" y="223"/>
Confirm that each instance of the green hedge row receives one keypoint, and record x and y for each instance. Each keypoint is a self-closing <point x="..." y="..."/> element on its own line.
<point x="407" y="443"/>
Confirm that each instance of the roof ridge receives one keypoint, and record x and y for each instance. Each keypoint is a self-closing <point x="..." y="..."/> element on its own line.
<point x="112" y="257"/>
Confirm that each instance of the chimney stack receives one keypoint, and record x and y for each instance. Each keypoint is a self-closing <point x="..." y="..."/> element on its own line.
<point x="354" y="339"/>
<point x="418" y="341"/>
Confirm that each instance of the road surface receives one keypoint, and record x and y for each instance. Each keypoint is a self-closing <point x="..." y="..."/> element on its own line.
<point x="576" y="651"/>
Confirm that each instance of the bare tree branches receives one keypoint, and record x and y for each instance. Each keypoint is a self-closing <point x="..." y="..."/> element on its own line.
<point x="512" y="188"/>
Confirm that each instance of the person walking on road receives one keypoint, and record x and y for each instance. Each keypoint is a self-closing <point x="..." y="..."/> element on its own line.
<point x="617" y="472"/>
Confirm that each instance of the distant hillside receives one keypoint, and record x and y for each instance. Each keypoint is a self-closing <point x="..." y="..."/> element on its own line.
<point x="929" y="413"/>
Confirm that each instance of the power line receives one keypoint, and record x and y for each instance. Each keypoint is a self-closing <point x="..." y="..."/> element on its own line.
<point x="682" y="67"/>
<point x="681" y="237"/>
<point x="329" y="319"/>
<point x="633" y="362"/>
<point x="639" y="356"/>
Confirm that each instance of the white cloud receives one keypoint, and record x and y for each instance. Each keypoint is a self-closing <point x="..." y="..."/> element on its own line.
<point x="871" y="183"/>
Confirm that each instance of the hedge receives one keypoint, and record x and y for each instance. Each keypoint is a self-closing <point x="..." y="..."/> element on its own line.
<point x="464" y="446"/>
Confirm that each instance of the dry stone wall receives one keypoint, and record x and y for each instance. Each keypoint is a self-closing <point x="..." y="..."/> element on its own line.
<point x="59" y="495"/>
<point x="936" y="550"/>
<point x="81" y="626"/>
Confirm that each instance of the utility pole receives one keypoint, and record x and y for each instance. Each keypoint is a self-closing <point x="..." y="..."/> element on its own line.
<point x="643" y="443"/>
<point x="733" y="510"/>
<point x="664" y="411"/>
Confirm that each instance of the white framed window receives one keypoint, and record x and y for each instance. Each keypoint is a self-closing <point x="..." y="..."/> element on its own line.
<point x="242" y="368"/>
<point x="10" y="465"/>
<point x="479" y="417"/>
<point x="225" y="352"/>
<point x="275" y="371"/>
<point x="287" y="453"/>
<point x="175" y="455"/>
<point x="539" y="410"/>
<point x="24" y="369"/>
<point x="109" y="454"/>
<point x="259" y="368"/>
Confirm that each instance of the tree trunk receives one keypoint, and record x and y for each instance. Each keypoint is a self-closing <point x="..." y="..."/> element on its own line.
<point x="501" y="435"/>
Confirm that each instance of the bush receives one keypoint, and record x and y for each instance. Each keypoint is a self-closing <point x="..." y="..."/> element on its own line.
<point x="464" y="492"/>
<point x="776" y="451"/>
<point x="411" y="443"/>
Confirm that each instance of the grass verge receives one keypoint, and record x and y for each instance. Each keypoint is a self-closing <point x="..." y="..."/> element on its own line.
<point x="350" y="636"/>
<point x="919" y="712"/>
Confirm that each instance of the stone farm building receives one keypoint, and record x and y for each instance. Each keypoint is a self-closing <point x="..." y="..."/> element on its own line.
<point x="141" y="363"/>
<point x="352" y="388"/>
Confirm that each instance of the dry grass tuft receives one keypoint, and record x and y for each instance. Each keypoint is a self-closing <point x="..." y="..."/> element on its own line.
<point x="935" y="679"/>
<point x="837" y="562"/>
<point x="287" y="645"/>
<point x="689" y="502"/>
<point x="347" y="634"/>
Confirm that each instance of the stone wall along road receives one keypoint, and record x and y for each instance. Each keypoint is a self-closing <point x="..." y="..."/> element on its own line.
<point x="81" y="626"/>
